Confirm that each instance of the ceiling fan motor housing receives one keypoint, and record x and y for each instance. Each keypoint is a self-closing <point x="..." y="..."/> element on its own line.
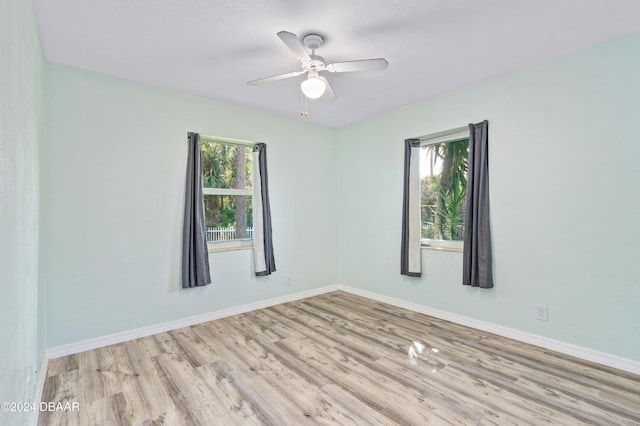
<point x="316" y="62"/>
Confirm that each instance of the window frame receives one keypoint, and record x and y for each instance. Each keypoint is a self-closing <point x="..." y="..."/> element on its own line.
<point x="239" y="244"/>
<point x="445" y="136"/>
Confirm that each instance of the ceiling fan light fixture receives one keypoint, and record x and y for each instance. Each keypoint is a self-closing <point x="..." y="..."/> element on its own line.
<point x="313" y="87"/>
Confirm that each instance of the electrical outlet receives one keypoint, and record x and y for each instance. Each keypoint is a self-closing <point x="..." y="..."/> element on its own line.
<point x="289" y="280"/>
<point x="542" y="312"/>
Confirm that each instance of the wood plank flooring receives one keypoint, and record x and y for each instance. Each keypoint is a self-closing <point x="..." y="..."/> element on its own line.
<point x="335" y="359"/>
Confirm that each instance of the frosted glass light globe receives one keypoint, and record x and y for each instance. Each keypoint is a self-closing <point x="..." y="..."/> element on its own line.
<point x="313" y="87"/>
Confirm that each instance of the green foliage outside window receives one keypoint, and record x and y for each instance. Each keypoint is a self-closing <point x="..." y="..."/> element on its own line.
<point x="444" y="190"/>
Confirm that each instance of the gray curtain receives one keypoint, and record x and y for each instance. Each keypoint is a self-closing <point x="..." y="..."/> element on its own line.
<point x="264" y="260"/>
<point x="477" y="258"/>
<point x="410" y="252"/>
<point x="195" y="256"/>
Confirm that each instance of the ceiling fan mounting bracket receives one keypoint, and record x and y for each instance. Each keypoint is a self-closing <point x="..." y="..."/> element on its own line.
<point x="313" y="41"/>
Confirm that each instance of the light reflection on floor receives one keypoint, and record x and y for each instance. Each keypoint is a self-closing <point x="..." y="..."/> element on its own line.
<point x="418" y="350"/>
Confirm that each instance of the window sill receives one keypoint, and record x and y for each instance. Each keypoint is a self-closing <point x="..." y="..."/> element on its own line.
<point x="220" y="249"/>
<point x="450" y="249"/>
<point x="442" y="245"/>
<point x="230" y="246"/>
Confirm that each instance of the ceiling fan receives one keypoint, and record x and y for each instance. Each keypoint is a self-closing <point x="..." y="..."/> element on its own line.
<point x="315" y="85"/>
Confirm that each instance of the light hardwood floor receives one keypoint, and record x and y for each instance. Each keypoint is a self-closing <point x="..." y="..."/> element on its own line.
<point x="335" y="359"/>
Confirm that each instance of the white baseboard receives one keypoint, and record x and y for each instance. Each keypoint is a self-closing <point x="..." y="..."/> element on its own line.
<point x="136" y="333"/>
<point x="521" y="336"/>
<point x="544" y="342"/>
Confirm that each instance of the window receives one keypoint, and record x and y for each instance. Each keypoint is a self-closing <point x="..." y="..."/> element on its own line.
<point x="444" y="161"/>
<point x="227" y="189"/>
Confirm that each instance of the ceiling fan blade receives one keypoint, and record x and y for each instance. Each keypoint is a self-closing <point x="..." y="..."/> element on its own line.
<point x="361" y="65"/>
<point x="295" y="45"/>
<point x="275" y="78"/>
<point x="328" y="95"/>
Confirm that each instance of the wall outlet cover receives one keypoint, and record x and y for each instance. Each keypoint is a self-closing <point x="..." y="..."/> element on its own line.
<point x="542" y="312"/>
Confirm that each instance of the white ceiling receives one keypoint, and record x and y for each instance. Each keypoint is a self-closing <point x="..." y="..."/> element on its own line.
<point x="213" y="47"/>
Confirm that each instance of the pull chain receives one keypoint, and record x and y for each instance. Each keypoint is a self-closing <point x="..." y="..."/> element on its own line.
<point x="304" y="112"/>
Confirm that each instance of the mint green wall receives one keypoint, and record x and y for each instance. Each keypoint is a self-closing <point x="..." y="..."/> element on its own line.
<point x="22" y="339"/>
<point x="564" y="178"/>
<point x="113" y="185"/>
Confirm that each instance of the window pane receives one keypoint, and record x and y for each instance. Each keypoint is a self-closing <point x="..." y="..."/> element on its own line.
<point x="225" y="165"/>
<point x="228" y="217"/>
<point x="443" y="179"/>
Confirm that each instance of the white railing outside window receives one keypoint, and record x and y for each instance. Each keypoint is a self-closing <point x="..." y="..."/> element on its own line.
<point x="215" y="234"/>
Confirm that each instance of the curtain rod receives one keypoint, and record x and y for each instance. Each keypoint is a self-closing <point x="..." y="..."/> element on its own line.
<point x="227" y="140"/>
<point x="438" y="135"/>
